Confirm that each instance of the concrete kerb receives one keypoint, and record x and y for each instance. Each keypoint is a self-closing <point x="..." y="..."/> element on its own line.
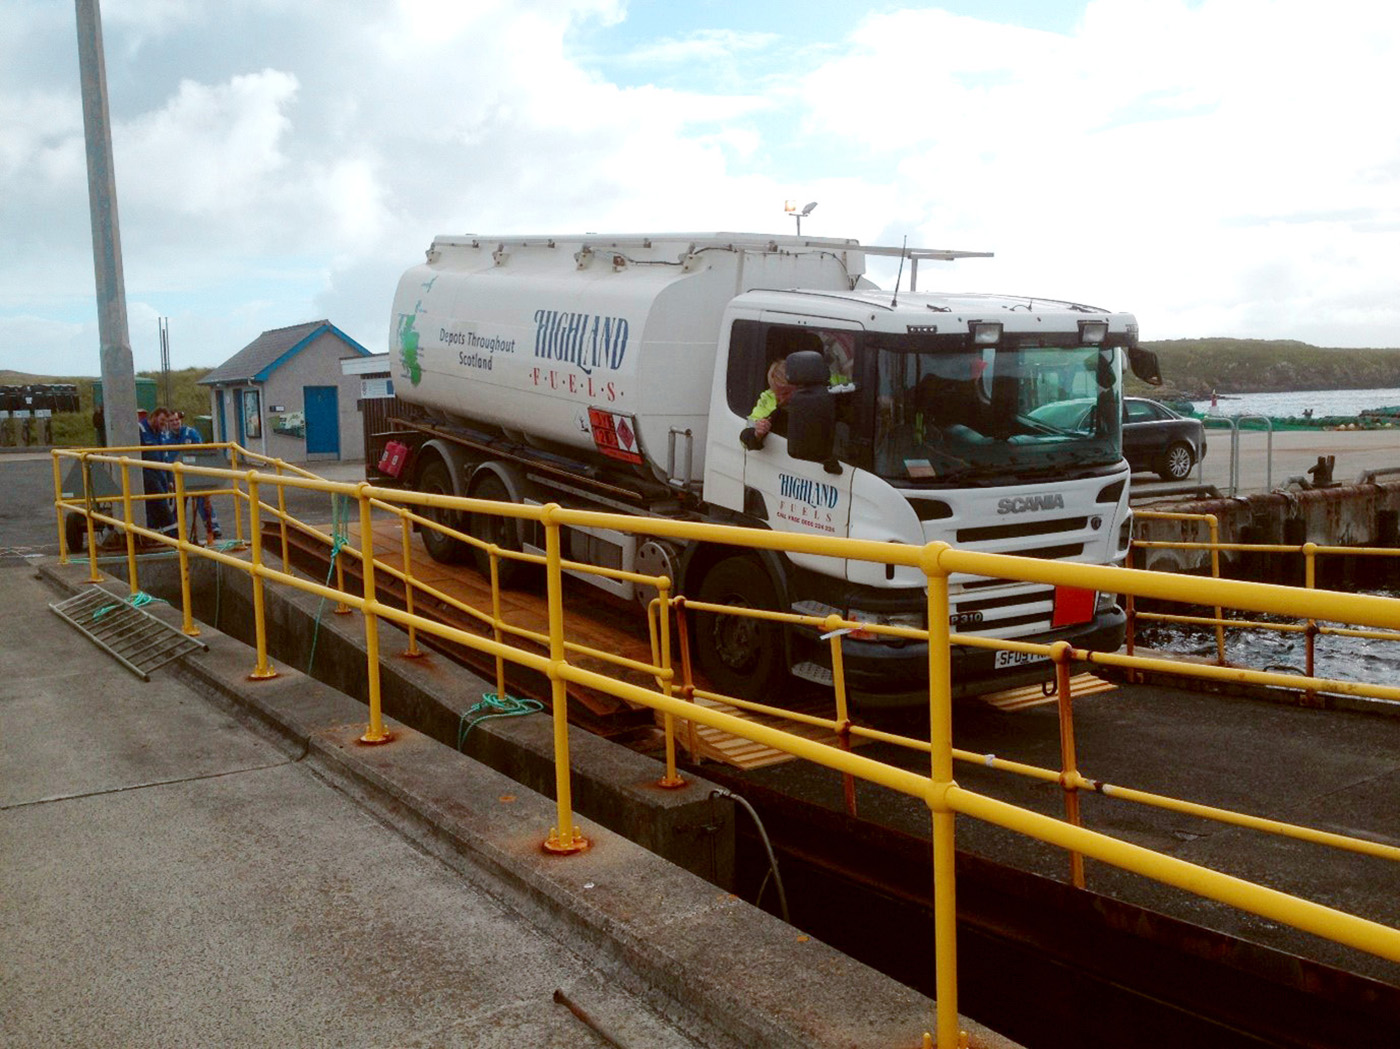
<point x="612" y="785"/>
<point x="733" y="974"/>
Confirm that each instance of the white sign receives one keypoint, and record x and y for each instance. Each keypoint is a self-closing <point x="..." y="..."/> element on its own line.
<point x="371" y="389"/>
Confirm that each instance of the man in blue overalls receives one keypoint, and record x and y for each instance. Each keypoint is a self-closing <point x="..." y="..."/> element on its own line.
<point x="200" y="506"/>
<point x="159" y="512"/>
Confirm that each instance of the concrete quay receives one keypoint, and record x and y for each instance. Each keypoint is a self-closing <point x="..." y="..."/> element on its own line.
<point x="206" y="860"/>
<point x="1293" y="452"/>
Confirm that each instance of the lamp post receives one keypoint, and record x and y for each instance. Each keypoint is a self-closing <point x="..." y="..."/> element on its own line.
<point x="118" y="376"/>
<point x="798" y="216"/>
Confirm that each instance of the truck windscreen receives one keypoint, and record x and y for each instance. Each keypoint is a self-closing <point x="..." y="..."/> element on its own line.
<point x="954" y="413"/>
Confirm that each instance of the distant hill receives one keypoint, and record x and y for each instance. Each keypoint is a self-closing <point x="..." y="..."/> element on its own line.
<point x="1196" y="367"/>
<point x="76" y="430"/>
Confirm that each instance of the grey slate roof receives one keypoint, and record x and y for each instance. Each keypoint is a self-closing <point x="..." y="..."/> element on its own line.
<point x="261" y="357"/>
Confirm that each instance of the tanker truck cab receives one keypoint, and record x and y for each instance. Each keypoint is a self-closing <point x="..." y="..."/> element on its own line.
<point x="762" y="380"/>
<point x="924" y="418"/>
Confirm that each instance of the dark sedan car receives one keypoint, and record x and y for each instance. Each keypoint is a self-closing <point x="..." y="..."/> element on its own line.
<point x="1158" y="439"/>
<point x="1154" y="437"/>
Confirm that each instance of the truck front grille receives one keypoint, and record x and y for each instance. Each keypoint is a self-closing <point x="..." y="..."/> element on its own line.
<point x="1019" y="530"/>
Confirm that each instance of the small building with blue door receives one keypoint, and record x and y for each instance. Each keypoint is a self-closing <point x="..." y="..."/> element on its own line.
<point x="284" y="395"/>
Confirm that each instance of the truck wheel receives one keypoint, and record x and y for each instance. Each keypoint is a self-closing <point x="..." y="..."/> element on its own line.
<point x="493" y="528"/>
<point x="1176" y="463"/>
<point x="740" y="655"/>
<point x="75" y="532"/>
<point x="435" y="480"/>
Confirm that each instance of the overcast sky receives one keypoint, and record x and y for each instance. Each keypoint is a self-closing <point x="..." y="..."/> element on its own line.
<point x="1218" y="167"/>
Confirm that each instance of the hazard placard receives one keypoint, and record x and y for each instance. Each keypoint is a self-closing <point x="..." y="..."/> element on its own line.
<point x="615" y="435"/>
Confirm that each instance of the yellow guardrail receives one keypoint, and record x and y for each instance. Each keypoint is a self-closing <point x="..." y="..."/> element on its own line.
<point x="937" y="789"/>
<point x="1306" y="625"/>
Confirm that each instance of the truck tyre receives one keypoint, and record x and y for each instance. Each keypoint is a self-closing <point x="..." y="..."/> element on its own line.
<point x="741" y="656"/>
<point x="1176" y="462"/>
<point x="435" y="480"/>
<point x="493" y="528"/>
<point x="75" y="532"/>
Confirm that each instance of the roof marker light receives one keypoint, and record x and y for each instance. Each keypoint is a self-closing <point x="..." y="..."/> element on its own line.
<point x="985" y="333"/>
<point x="1093" y="333"/>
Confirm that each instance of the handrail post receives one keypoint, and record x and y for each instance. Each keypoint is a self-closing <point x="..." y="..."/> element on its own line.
<point x="58" y="508"/>
<point x="282" y="517"/>
<point x="1234" y="457"/>
<point x="1130" y="612"/>
<point x="692" y="734"/>
<point x="93" y="575"/>
<point x="128" y="513"/>
<point x="182" y="549"/>
<point x="343" y="517"/>
<point x="945" y="913"/>
<point x="494" y="556"/>
<point x="375" y="733"/>
<point x="672" y="780"/>
<point x="1069" y="761"/>
<point x="263" y="669"/>
<point x="843" y="717"/>
<point x="1310" y="633"/>
<point x="1214" y="524"/>
<point x="412" y="651"/>
<point x="239" y="542"/>
<point x="565" y="837"/>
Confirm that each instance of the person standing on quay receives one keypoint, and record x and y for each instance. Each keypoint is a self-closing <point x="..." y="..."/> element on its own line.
<point x="154" y="433"/>
<point x="200" y="506"/>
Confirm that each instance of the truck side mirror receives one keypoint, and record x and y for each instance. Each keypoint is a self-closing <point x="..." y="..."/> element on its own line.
<point x="811" y="411"/>
<point x="1144" y="365"/>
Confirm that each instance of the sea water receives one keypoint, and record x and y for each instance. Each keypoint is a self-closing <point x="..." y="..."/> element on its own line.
<point x="1294" y="402"/>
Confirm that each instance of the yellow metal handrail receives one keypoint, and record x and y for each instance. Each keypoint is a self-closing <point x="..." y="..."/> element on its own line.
<point x="1309" y="551"/>
<point x="938" y="790"/>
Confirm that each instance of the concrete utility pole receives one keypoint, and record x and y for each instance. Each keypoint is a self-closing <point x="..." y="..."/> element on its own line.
<point x="118" y="374"/>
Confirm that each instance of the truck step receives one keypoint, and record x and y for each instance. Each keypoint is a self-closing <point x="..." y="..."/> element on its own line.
<point x="816" y="673"/>
<point x="1034" y="696"/>
<point x="705" y="743"/>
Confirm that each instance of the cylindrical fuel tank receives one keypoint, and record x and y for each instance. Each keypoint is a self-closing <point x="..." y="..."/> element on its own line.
<point x="599" y="344"/>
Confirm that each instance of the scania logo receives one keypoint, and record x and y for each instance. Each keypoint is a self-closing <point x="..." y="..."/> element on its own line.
<point x="1020" y="504"/>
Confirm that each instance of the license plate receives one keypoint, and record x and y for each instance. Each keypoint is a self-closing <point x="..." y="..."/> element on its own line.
<point x="1006" y="658"/>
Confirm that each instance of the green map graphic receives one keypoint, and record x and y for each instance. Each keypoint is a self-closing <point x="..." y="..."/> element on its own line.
<point x="408" y="346"/>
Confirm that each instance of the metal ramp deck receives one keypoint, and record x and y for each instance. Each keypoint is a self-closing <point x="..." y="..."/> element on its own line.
<point x="134" y="637"/>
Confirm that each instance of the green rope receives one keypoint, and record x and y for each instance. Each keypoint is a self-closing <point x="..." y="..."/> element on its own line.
<point x="137" y="600"/>
<point x="492" y="707"/>
<point x="340" y="537"/>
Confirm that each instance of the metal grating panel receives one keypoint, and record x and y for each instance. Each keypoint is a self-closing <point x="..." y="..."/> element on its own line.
<point x="138" y="640"/>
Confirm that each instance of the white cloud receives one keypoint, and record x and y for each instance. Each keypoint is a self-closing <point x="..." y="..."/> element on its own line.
<point x="212" y="150"/>
<point x="710" y="45"/>
<point x="1219" y="167"/>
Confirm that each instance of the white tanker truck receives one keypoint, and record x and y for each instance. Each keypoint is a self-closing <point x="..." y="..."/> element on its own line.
<point x="628" y="373"/>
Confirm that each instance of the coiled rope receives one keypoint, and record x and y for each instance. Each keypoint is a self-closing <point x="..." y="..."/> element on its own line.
<point x="493" y="707"/>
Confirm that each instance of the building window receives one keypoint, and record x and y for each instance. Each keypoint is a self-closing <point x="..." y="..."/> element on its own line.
<point x="252" y="414"/>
